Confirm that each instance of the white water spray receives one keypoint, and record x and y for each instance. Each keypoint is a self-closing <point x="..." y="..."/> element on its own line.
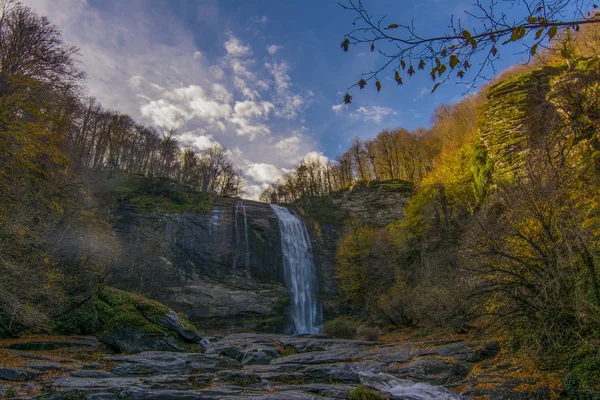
<point x="300" y="272"/>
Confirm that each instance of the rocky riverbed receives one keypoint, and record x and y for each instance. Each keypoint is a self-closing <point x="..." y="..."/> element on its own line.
<point x="259" y="366"/>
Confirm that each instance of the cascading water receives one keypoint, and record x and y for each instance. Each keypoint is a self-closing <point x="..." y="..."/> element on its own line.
<point x="241" y="239"/>
<point x="300" y="271"/>
<point x="405" y="389"/>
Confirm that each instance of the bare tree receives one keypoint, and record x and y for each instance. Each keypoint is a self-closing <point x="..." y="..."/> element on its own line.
<point x="32" y="49"/>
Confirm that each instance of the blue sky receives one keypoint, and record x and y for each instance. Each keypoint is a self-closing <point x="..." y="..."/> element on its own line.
<point x="262" y="78"/>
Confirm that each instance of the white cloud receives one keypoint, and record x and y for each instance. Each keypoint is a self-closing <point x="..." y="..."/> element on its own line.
<point x="288" y="145"/>
<point x="338" y="108"/>
<point x="253" y="191"/>
<point x="272" y="49"/>
<point x="261" y="172"/>
<point x="315" y="156"/>
<point x="164" y="114"/>
<point x="248" y="128"/>
<point x="235" y="48"/>
<point x="373" y="113"/>
<point x="422" y="94"/>
<point x="260" y="19"/>
<point x="251" y="109"/>
<point x="290" y="104"/>
<point x="231" y="100"/>
<point x="197" y="140"/>
<point x="135" y="80"/>
<point x="282" y="79"/>
<point x="217" y="72"/>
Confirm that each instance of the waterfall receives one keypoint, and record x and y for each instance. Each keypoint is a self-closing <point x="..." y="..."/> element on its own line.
<point x="300" y="271"/>
<point x="241" y="241"/>
<point x="246" y="244"/>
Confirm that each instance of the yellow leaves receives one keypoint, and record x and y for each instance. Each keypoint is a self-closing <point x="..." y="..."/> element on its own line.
<point x="398" y="78"/>
<point x="538" y="34"/>
<point x="453" y="61"/>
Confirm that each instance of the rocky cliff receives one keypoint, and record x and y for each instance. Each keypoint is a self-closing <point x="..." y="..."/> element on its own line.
<point x="196" y="263"/>
<point x="516" y="114"/>
<point x="219" y="260"/>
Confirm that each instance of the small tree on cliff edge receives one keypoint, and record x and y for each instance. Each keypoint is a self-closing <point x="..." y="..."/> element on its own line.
<point x="460" y="53"/>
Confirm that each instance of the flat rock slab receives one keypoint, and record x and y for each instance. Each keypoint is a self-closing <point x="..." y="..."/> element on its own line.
<point x="87" y="373"/>
<point x="16" y="374"/>
<point x="53" y="345"/>
<point x="272" y="367"/>
<point x="48" y="366"/>
<point x="158" y="362"/>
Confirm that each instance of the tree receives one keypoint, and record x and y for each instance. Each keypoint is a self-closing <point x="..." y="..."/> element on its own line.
<point x="31" y="48"/>
<point x="405" y="51"/>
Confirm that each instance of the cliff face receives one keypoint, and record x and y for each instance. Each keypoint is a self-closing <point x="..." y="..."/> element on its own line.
<point x="516" y="114"/>
<point x="379" y="203"/>
<point x="201" y="261"/>
<point x="186" y="260"/>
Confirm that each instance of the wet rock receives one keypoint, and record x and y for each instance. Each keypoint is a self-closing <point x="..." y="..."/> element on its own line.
<point x="172" y="322"/>
<point x="260" y="356"/>
<point x="15" y="374"/>
<point x="48" y="366"/>
<point x="239" y="378"/>
<point x="331" y="373"/>
<point x="53" y="345"/>
<point x="134" y="340"/>
<point x="86" y="373"/>
<point x="433" y="371"/>
<point x="148" y="363"/>
<point x="462" y="351"/>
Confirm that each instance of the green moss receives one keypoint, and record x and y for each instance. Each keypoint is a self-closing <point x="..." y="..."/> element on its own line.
<point x="290" y="379"/>
<point x="116" y="307"/>
<point x="393" y="184"/>
<point x="364" y="393"/>
<point x="152" y="194"/>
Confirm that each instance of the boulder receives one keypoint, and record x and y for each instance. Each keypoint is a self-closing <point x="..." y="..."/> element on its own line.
<point x="132" y="324"/>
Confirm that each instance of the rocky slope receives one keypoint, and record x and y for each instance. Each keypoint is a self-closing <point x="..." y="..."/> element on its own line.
<point x="262" y="367"/>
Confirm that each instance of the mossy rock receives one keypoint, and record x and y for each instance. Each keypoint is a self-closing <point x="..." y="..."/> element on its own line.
<point x="364" y="393"/>
<point x="132" y="323"/>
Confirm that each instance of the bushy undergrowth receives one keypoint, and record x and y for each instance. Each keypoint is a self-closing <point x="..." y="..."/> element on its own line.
<point x="341" y="327"/>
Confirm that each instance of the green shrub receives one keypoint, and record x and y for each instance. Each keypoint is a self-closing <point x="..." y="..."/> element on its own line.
<point x="81" y="321"/>
<point x="368" y="333"/>
<point x="364" y="393"/>
<point x="582" y="382"/>
<point x="341" y="327"/>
